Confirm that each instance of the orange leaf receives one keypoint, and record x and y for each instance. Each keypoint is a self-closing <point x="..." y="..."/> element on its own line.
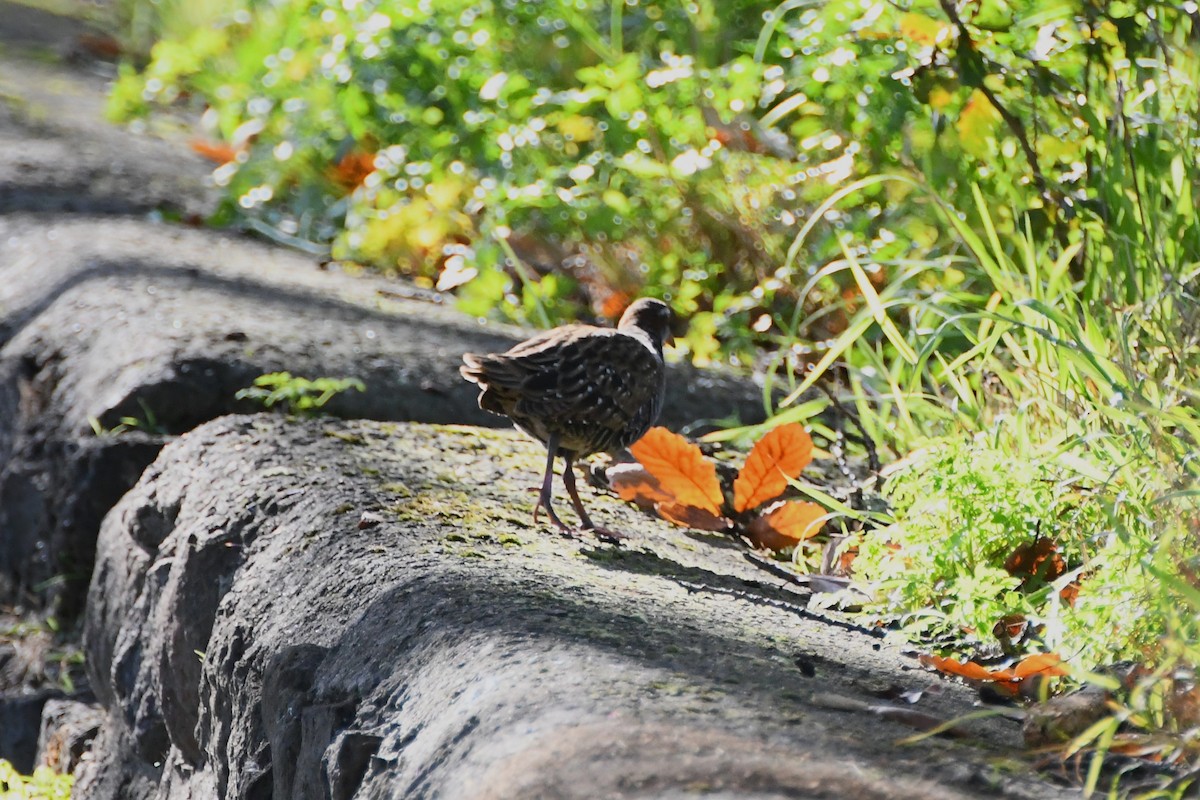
<point x="218" y="152"/>
<point x="966" y="669"/>
<point x="614" y="305"/>
<point x="634" y="484"/>
<point x="1040" y="664"/>
<point x="352" y="169"/>
<point x="783" y="453"/>
<point x="681" y="469"/>
<point x="1038" y="562"/>
<point x="692" y="517"/>
<point x="785" y="524"/>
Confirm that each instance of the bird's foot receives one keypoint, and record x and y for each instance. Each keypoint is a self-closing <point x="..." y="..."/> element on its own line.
<point x="607" y="535"/>
<point x="563" y="528"/>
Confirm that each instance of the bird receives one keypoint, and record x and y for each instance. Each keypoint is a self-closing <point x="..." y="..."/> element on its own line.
<point x="579" y="390"/>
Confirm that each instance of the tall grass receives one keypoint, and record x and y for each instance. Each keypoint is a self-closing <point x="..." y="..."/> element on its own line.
<point x="1050" y="391"/>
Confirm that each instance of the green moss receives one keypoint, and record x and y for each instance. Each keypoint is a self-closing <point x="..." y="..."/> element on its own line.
<point x="349" y="437"/>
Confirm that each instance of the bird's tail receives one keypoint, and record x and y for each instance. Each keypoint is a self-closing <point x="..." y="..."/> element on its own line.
<point x="473" y="369"/>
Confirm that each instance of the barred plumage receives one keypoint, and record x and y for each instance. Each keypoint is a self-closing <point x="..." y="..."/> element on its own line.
<point x="579" y="389"/>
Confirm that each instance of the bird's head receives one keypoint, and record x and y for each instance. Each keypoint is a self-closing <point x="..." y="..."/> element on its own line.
<point x="652" y="317"/>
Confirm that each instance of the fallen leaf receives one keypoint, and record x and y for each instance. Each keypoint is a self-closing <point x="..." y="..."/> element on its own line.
<point x="614" y="305"/>
<point x="99" y="45"/>
<point x="1040" y="664"/>
<point x="352" y="169"/>
<point x="369" y="519"/>
<point x="680" y="468"/>
<point x="1040" y="562"/>
<point x="1012" y="681"/>
<point x="692" y="517"/>
<point x="217" y="152"/>
<point x="782" y="454"/>
<point x="633" y="483"/>
<point x="1036" y="563"/>
<point x="964" y="669"/>
<point x="1011" y="629"/>
<point x="785" y="524"/>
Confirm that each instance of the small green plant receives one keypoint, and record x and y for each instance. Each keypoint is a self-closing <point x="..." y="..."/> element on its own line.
<point x="296" y="395"/>
<point x="43" y="784"/>
<point x="148" y="422"/>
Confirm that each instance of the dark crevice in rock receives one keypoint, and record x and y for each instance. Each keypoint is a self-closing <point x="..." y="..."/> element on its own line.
<point x="347" y="761"/>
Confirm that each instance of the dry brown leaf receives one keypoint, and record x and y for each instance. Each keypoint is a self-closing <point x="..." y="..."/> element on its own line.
<point x="783" y="453"/>
<point x="681" y="469"/>
<point x="785" y="524"/>
<point x="692" y="517"/>
<point x="633" y="483"/>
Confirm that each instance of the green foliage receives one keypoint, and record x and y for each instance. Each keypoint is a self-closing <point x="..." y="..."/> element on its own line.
<point x="43" y="784"/>
<point x="535" y="156"/>
<point x="148" y="422"/>
<point x="296" y="395"/>
<point x="963" y="508"/>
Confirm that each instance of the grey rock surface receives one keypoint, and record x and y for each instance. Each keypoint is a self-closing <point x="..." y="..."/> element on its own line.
<point x="107" y="314"/>
<point x="249" y="639"/>
<point x="107" y="318"/>
<point x="68" y="728"/>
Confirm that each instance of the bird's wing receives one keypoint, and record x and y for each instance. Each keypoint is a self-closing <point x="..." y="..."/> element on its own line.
<point x="595" y="385"/>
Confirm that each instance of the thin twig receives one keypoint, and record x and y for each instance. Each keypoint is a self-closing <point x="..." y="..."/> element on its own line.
<point x="867" y="442"/>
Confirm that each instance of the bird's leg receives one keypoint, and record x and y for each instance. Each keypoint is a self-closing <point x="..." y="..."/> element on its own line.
<point x="547" y="481"/>
<point x="569" y="481"/>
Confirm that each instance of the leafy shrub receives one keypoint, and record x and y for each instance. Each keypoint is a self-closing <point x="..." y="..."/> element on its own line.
<point x="536" y="157"/>
<point x="43" y="784"/>
<point x="984" y="540"/>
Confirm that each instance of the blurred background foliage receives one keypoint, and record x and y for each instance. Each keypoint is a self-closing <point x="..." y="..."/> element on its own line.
<point x="550" y="160"/>
<point x="974" y="220"/>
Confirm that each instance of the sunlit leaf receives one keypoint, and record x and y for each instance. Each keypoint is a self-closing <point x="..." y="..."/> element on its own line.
<point x="783" y="453"/>
<point x="966" y="669"/>
<point x="1049" y="664"/>
<point x="680" y="468"/>
<point x="785" y="524"/>
<point x="923" y="30"/>
<point x="976" y="124"/>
